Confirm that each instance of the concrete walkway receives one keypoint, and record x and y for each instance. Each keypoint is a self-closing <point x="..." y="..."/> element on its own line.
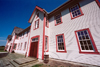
<point x="17" y="60"/>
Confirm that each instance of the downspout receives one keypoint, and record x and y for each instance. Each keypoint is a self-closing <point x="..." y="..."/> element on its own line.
<point x="43" y="36"/>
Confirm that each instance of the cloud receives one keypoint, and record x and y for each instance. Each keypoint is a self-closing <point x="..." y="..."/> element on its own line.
<point x="2" y="40"/>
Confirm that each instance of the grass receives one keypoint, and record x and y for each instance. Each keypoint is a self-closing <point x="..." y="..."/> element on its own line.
<point x="43" y="65"/>
<point x="2" y="49"/>
<point x="37" y="65"/>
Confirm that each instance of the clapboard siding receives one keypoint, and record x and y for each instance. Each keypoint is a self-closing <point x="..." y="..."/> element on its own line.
<point x="90" y="20"/>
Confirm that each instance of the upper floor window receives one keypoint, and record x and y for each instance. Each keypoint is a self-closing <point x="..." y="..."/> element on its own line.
<point x="14" y="47"/>
<point x="46" y="43"/>
<point x="60" y="43"/>
<point x="75" y="11"/>
<point x="58" y="19"/>
<point x="98" y="2"/>
<point x="36" y="24"/>
<point x="16" y="37"/>
<point x="85" y="41"/>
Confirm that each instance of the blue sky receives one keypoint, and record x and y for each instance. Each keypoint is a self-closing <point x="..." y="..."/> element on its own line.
<point x="17" y="13"/>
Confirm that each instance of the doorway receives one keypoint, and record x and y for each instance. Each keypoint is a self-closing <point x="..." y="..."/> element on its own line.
<point x="34" y="48"/>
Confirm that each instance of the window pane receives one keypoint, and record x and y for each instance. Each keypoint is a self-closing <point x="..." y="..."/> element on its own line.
<point x="90" y="47"/>
<point x="78" y="12"/>
<point x="83" y="37"/>
<point x="85" y="32"/>
<point x="82" y="33"/>
<point x="88" y="41"/>
<point x="86" y="47"/>
<point x="81" y="42"/>
<point x="78" y="33"/>
<point x="82" y="47"/>
<point x="87" y="37"/>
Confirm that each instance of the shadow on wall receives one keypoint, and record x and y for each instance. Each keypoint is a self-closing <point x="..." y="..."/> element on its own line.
<point x="3" y="54"/>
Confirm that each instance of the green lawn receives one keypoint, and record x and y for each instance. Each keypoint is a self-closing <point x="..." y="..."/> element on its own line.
<point x="37" y="65"/>
<point x="2" y="49"/>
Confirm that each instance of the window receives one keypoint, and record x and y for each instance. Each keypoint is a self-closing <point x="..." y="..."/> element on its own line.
<point x="60" y="43"/>
<point x="16" y="36"/>
<point x="25" y="45"/>
<point x="58" y="19"/>
<point x="36" y="24"/>
<point x="98" y="2"/>
<point x="85" y="41"/>
<point x="14" y="47"/>
<point x="20" y="46"/>
<point x="46" y="44"/>
<point x="35" y="39"/>
<point x="75" y="11"/>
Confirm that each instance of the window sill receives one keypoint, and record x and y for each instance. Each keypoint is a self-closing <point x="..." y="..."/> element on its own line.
<point x="35" y="28"/>
<point x="89" y="52"/>
<point x="62" y="51"/>
<point x="58" y="23"/>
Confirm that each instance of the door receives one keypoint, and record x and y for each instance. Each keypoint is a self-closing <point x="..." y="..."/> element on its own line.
<point x="33" y="50"/>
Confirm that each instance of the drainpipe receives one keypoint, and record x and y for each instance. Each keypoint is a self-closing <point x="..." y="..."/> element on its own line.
<point x="43" y="36"/>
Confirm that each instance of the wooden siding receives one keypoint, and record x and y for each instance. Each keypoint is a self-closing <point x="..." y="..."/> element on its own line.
<point x="90" y="19"/>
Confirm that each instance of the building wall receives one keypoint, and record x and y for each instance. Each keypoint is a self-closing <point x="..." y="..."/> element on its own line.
<point x="37" y="32"/>
<point x="90" y="20"/>
<point x="11" y="42"/>
<point x="22" y="40"/>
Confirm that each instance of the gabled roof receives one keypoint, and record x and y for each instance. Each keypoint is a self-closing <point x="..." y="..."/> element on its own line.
<point x="9" y="37"/>
<point x="62" y="7"/>
<point x="17" y="30"/>
<point x="38" y="8"/>
<point x="28" y="28"/>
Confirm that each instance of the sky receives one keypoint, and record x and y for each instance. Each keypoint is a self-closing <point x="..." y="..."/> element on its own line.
<point x="17" y="13"/>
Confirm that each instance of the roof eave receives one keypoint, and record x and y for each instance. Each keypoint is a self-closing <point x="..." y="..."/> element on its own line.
<point x="40" y="9"/>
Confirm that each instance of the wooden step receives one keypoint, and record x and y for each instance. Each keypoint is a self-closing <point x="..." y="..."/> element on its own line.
<point x="22" y="62"/>
<point x="14" y="63"/>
